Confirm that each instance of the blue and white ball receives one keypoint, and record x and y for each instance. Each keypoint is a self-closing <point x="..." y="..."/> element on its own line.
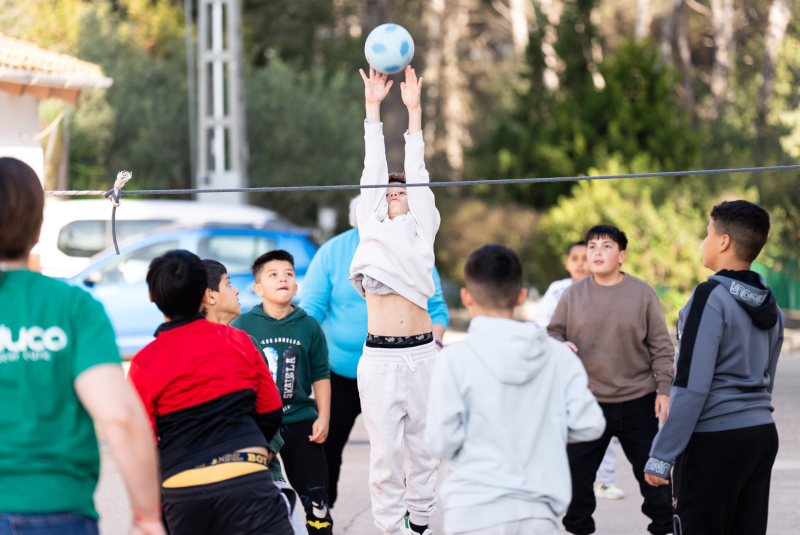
<point x="389" y="48"/>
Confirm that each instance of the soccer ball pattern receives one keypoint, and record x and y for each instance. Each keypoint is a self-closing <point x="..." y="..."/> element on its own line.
<point x="389" y="48"/>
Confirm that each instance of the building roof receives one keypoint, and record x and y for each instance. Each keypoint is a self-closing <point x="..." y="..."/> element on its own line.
<point x="28" y="68"/>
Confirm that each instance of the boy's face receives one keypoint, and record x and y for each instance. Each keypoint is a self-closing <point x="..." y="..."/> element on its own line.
<point x="604" y="256"/>
<point x="276" y="283"/>
<point x="397" y="199"/>
<point x="576" y="263"/>
<point x="711" y="246"/>
<point x="226" y="301"/>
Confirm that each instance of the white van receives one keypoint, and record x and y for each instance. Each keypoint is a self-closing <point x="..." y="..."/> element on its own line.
<point x="74" y="231"/>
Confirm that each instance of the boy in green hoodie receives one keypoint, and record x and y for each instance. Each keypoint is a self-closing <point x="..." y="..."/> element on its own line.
<point x="294" y="345"/>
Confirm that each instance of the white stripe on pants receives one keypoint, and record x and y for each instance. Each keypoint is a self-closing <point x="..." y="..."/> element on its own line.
<point x="393" y="386"/>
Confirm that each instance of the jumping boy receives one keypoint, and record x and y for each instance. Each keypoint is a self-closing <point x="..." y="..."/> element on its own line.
<point x="720" y="427"/>
<point x="392" y="269"/>
<point x="615" y="324"/>
<point x="578" y="268"/>
<point x="507" y="379"/>
<point x="294" y="346"/>
<point x="213" y="406"/>
<point x="221" y="305"/>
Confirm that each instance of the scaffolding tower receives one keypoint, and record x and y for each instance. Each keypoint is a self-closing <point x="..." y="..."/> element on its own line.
<point x="222" y="142"/>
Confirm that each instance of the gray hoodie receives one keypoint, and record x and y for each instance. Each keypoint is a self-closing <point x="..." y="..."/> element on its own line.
<point x="730" y="336"/>
<point x="502" y="405"/>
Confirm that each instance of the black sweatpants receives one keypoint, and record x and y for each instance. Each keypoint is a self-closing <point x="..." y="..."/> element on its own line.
<point x="721" y="482"/>
<point x="635" y="425"/>
<point x="307" y="472"/>
<point x="244" y="505"/>
<point x="345" y="408"/>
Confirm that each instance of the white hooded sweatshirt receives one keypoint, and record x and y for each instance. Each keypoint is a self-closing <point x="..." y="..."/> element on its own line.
<point x="502" y="405"/>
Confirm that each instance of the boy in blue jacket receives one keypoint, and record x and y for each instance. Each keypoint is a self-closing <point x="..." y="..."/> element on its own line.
<point x="720" y="436"/>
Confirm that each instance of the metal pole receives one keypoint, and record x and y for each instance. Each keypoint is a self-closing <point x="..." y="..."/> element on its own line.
<point x="191" y="87"/>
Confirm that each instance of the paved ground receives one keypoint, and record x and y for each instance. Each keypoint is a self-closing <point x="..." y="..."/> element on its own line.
<point x="352" y="512"/>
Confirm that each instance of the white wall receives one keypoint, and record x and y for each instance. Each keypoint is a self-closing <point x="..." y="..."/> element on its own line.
<point x="19" y="122"/>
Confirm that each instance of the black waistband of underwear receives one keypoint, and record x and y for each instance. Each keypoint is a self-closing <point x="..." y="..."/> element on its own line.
<point x="399" y="341"/>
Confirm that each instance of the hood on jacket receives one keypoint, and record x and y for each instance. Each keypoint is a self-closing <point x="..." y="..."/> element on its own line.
<point x="295" y="315"/>
<point x="750" y="291"/>
<point x="520" y="346"/>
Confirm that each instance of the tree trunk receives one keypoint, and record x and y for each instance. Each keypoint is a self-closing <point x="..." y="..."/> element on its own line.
<point x="520" y="33"/>
<point x="722" y="22"/>
<point x="643" y="20"/>
<point x="685" y="54"/>
<point x="667" y="31"/>
<point x="455" y="107"/>
<point x="780" y="13"/>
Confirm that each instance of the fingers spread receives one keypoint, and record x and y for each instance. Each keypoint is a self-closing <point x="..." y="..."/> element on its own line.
<point x="363" y="76"/>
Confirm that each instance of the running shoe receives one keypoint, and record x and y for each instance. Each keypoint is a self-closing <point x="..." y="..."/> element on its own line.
<point x="405" y="529"/>
<point x="608" y="491"/>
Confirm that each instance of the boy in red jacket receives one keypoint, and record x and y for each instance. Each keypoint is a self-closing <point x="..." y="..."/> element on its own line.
<point x="213" y="406"/>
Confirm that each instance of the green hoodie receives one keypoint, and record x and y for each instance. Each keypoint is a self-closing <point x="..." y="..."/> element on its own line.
<point x="297" y="356"/>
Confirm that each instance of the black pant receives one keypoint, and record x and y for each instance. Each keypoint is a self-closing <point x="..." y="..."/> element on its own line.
<point x="345" y="408"/>
<point x="307" y="473"/>
<point x="244" y="505"/>
<point x="722" y="482"/>
<point x="635" y="425"/>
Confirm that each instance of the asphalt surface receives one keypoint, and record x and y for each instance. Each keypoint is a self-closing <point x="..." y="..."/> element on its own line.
<point x="352" y="515"/>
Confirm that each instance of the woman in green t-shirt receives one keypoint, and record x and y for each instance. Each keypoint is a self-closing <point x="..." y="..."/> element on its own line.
<point x="60" y="375"/>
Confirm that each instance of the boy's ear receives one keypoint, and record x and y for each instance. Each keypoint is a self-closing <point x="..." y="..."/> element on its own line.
<point x="258" y="290"/>
<point x="725" y="243"/>
<point x="523" y="295"/>
<point x="150" y="297"/>
<point x="466" y="298"/>
<point x="208" y="297"/>
<point x="623" y="256"/>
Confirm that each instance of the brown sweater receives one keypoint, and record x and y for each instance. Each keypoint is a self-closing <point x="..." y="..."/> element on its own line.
<point x="621" y="335"/>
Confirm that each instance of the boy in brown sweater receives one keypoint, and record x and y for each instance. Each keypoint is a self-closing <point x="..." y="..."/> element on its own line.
<point x="614" y="323"/>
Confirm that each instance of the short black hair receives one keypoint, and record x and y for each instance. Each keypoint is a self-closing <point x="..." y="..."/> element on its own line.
<point x="177" y="281"/>
<point x="494" y="276"/>
<point x="576" y="244"/>
<point x="275" y="254"/>
<point x="746" y="223"/>
<point x="607" y="231"/>
<point x="215" y="272"/>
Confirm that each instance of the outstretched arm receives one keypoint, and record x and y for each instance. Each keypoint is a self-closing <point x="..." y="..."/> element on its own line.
<point x="376" y="170"/>
<point x="421" y="201"/>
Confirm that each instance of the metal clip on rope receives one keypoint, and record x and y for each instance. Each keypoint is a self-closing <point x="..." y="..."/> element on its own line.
<point x="113" y="194"/>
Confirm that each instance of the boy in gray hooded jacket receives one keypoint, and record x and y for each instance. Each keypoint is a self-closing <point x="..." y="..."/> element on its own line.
<point x="720" y="435"/>
<point x="502" y="405"/>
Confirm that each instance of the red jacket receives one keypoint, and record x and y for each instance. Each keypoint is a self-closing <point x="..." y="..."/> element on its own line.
<point x="207" y="391"/>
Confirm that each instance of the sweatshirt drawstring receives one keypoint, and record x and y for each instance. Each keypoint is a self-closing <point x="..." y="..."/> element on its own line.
<point x="409" y="362"/>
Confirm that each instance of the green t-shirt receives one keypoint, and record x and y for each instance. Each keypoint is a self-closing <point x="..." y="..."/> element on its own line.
<point x="50" y="332"/>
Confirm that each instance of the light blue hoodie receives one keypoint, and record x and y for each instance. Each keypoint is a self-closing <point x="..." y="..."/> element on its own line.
<point x="328" y="296"/>
<point x="502" y="405"/>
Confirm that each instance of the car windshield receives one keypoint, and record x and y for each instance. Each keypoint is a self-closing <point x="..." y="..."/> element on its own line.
<point x="131" y="267"/>
<point x="236" y="253"/>
<point x="86" y="238"/>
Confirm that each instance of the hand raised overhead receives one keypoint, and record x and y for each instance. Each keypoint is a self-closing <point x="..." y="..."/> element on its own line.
<point x="411" y="89"/>
<point x="375" y="87"/>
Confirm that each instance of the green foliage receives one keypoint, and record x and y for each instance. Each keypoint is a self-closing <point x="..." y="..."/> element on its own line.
<point x="304" y="129"/>
<point x="624" y="106"/>
<point x="663" y="241"/>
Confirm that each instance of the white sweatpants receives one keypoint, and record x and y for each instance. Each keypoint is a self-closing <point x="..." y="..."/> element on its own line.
<point x="393" y="386"/>
<point x="529" y="526"/>
<point x="605" y="474"/>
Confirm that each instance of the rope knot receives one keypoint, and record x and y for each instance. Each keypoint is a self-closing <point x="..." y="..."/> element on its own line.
<point x="119" y="183"/>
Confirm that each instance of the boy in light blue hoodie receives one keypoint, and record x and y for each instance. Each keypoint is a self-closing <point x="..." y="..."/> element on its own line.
<point x="503" y="404"/>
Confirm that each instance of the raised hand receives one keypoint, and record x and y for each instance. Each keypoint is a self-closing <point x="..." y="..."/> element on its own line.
<point x="375" y="87"/>
<point x="411" y="89"/>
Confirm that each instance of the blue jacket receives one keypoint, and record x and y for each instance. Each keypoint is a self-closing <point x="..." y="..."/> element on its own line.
<point x="328" y="296"/>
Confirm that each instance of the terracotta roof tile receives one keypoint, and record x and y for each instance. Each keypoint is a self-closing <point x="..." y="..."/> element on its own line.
<point x="24" y="55"/>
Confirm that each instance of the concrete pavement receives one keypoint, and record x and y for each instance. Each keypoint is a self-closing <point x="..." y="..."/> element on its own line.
<point x="352" y="513"/>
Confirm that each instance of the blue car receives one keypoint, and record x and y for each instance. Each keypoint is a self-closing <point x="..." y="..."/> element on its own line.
<point x="118" y="282"/>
